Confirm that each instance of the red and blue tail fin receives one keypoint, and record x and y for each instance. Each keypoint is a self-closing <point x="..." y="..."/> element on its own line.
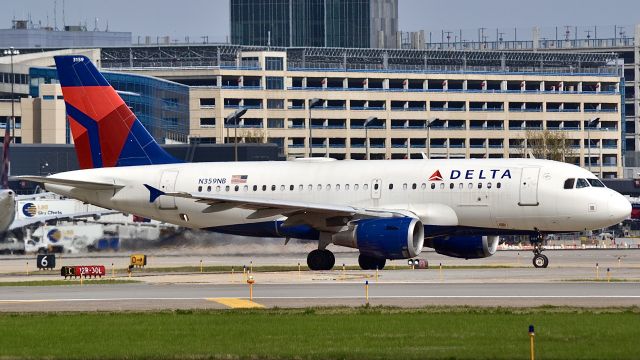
<point x="105" y="131"/>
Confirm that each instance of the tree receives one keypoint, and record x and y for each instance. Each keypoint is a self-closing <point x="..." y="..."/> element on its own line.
<point x="547" y="144"/>
<point x="255" y="136"/>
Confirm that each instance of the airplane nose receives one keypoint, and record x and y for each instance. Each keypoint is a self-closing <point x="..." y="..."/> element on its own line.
<point x="619" y="207"/>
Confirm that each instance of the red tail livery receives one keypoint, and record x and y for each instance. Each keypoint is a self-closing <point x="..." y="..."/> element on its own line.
<point x="105" y="131"/>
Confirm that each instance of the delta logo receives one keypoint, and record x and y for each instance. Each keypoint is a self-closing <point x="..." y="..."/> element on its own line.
<point x="29" y="210"/>
<point x="473" y="174"/>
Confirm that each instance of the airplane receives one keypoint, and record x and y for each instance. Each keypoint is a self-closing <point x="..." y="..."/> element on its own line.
<point x="387" y="209"/>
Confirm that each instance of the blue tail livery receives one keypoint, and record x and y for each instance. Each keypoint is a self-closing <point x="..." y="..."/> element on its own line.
<point x="105" y="131"/>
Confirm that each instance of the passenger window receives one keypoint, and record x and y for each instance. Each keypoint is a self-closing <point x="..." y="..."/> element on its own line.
<point x="290" y="187"/>
<point x="283" y="188"/>
<point x="346" y="186"/>
<point x="199" y="188"/>
<point x="441" y="185"/>
<point x="310" y="187"/>
<point x="365" y="187"/>
<point x="319" y="187"/>
<point x="236" y="188"/>
<point x="328" y="187"/>
<point x="479" y="185"/>
<point x="582" y="183"/>
<point x="273" y="188"/>
<point x="414" y="186"/>
<point x="255" y="187"/>
<point x="423" y="186"/>
<point x="338" y="187"/>
<point x="390" y="187"/>
<point x="488" y="185"/>
<point x="245" y="188"/>
<point x="218" y="188"/>
<point x="404" y="186"/>
<point x="300" y="187"/>
<point x="451" y="185"/>
<point x="264" y="187"/>
<point x="595" y="183"/>
<point x="209" y="188"/>
<point x="226" y="188"/>
<point x="568" y="184"/>
<point x="433" y="185"/>
<point x="356" y="187"/>
<point x="498" y="185"/>
<point x="470" y="185"/>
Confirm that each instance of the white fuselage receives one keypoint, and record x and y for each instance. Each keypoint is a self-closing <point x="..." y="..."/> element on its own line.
<point x="505" y="195"/>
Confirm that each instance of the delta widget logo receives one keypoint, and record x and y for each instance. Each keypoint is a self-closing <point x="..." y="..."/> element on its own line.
<point x="54" y="235"/>
<point x="436" y="176"/>
<point x="29" y="210"/>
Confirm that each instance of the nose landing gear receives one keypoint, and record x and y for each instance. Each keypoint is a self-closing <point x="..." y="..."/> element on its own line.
<point x="539" y="260"/>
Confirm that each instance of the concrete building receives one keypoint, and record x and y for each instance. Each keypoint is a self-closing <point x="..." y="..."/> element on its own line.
<point x="487" y="104"/>
<point x="623" y="40"/>
<point x="315" y="23"/>
<point x="23" y="34"/>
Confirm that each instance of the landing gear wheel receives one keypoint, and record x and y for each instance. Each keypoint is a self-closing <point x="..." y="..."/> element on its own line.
<point x="321" y="259"/>
<point x="371" y="263"/>
<point x="540" y="261"/>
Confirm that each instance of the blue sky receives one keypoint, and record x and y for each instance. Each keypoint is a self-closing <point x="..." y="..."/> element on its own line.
<point x="196" y="18"/>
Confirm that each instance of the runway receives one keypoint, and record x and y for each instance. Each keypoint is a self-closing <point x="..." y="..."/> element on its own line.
<point x="508" y="280"/>
<point x="148" y="296"/>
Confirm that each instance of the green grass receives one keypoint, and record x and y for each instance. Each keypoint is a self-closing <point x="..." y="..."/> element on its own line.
<point x="325" y="333"/>
<point x="66" y="282"/>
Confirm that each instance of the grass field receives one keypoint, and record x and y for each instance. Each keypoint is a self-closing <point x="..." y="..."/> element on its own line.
<point x="325" y="333"/>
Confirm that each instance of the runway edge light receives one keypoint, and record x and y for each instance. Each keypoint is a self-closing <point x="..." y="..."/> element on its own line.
<point x="532" y="334"/>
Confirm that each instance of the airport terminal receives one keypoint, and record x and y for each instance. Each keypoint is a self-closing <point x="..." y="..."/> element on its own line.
<point x="324" y="160"/>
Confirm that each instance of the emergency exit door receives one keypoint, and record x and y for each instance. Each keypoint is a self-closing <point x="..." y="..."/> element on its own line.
<point x="529" y="187"/>
<point x="167" y="184"/>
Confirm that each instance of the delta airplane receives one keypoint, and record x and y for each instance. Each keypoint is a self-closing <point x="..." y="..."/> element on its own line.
<point x="387" y="209"/>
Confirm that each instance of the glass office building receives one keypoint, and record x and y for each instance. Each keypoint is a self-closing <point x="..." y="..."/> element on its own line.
<point x="162" y="106"/>
<point x="314" y="23"/>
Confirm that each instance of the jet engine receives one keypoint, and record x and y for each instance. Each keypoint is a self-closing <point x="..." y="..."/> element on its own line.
<point x="385" y="238"/>
<point x="467" y="247"/>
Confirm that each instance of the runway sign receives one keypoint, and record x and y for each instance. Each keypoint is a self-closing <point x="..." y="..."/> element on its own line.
<point x="138" y="260"/>
<point x="46" y="261"/>
<point x="85" y="270"/>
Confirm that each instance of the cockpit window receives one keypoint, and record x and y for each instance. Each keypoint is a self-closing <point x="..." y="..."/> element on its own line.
<point x="568" y="184"/>
<point x="582" y="183"/>
<point x="595" y="183"/>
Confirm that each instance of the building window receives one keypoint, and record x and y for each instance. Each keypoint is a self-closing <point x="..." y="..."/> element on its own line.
<point x="275" y="104"/>
<point x="207" y="122"/>
<point x="275" y="123"/>
<point x="207" y="102"/>
<point x="275" y="83"/>
<point x="273" y="63"/>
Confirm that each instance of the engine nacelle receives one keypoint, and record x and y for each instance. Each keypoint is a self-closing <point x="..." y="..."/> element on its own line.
<point x="467" y="247"/>
<point x="389" y="238"/>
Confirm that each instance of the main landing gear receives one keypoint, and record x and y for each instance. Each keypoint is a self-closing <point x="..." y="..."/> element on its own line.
<point x="321" y="259"/>
<point x="371" y="263"/>
<point x="539" y="260"/>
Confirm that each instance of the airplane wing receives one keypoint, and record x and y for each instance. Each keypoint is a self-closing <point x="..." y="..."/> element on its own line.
<point x="89" y="185"/>
<point x="273" y="207"/>
<point x="19" y="223"/>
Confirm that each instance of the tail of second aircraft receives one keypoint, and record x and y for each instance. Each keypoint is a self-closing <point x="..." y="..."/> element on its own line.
<point x="105" y="131"/>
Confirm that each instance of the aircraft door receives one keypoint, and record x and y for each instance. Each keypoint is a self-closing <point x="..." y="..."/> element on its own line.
<point x="167" y="184"/>
<point x="529" y="187"/>
<point x="376" y="186"/>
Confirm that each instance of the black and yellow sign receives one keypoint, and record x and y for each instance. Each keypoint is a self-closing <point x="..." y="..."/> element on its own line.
<point x="138" y="260"/>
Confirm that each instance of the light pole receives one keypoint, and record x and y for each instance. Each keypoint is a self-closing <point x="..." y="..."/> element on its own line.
<point x="234" y="116"/>
<point x="590" y="124"/>
<point x="366" y="133"/>
<point x="429" y="121"/>
<point x="11" y="51"/>
<point x="313" y="102"/>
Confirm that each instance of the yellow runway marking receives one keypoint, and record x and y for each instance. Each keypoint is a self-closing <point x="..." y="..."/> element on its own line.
<point x="236" y="303"/>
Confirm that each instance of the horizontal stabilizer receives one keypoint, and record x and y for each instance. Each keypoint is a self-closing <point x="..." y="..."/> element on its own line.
<point x="89" y="185"/>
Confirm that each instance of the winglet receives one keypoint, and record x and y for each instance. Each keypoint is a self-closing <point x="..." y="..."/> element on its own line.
<point x="153" y="193"/>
